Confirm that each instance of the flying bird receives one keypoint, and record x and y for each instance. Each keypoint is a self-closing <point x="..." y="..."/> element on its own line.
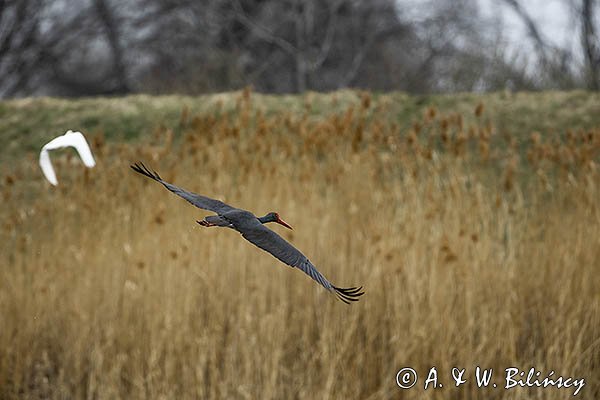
<point x="253" y="229"/>
<point x="69" y="139"/>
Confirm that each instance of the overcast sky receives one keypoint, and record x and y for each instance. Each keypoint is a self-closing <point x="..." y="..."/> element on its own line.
<point x="554" y="18"/>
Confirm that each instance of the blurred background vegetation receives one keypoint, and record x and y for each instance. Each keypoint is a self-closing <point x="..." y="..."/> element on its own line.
<point x="98" y="47"/>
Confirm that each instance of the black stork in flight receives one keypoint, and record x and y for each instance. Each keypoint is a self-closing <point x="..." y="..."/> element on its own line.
<point x="252" y="229"/>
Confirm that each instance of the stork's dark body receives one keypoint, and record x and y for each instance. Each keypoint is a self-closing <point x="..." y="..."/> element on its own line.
<point x="252" y="229"/>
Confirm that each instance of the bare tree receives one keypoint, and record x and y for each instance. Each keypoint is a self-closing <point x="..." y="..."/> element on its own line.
<point x="541" y="46"/>
<point x="561" y="67"/>
<point x="19" y="51"/>
<point x="96" y="47"/>
<point x="326" y="42"/>
<point x="61" y="48"/>
<point x="90" y="58"/>
<point x="111" y="29"/>
<point x="590" y="43"/>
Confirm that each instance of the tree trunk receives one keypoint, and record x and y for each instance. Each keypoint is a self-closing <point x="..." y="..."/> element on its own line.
<point x="590" y="44"/>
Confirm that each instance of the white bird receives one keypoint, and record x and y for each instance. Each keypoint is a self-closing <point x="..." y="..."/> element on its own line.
<point x="72" y="139"/>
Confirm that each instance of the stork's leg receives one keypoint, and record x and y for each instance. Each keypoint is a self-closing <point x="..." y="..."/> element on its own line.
<point x="205" y="223"/>
<point x="215" y="220"/>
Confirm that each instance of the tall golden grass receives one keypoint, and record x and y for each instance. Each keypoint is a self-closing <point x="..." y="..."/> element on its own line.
<point x="476" y="247"/>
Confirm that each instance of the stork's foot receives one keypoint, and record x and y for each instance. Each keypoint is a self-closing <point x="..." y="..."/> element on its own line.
<point x="205" y="223"/>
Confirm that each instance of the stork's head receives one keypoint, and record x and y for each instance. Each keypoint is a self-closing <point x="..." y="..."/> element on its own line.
<point x="274" y="217"/>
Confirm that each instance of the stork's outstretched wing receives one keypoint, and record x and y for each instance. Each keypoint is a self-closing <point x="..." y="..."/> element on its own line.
<point x="203" y="202"/>
<point x="266" y="239"/>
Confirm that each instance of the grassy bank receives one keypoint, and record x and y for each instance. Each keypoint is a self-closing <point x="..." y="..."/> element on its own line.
<point x="27" y="124"/>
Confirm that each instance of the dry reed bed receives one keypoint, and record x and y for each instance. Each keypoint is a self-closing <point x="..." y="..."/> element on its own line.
<point x="476" y="247"/>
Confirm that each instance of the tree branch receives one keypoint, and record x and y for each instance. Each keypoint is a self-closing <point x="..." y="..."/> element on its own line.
<point x="263" y="32"/>
<point x="112" y="33"/>
<point x="540" y="44"/>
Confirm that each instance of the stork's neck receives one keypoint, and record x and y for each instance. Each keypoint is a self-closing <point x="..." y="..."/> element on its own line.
<point x="266" y="218"/>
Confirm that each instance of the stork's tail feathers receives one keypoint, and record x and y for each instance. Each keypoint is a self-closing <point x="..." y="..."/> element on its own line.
<point x="348" y="294"/>
<point x="142" y="169"/>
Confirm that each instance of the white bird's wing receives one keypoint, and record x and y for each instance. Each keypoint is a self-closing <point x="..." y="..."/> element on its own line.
<point x="83" y="148"/>
<point x="69" y="139"/>
<point x="46" y="166"/>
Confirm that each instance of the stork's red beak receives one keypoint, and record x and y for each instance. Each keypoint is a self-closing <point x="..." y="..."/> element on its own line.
<point x="282" y="222"/>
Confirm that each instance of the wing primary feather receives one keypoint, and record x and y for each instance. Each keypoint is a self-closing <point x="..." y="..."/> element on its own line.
<point x="142" y="169"/>
<point x="353" y="290"/>
<point x="348" y="294"/>
<point x="143" y="166"/>
<point x="152" y="173"/>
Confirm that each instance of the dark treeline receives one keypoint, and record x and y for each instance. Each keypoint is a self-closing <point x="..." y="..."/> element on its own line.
<point x="99" y="47"/>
